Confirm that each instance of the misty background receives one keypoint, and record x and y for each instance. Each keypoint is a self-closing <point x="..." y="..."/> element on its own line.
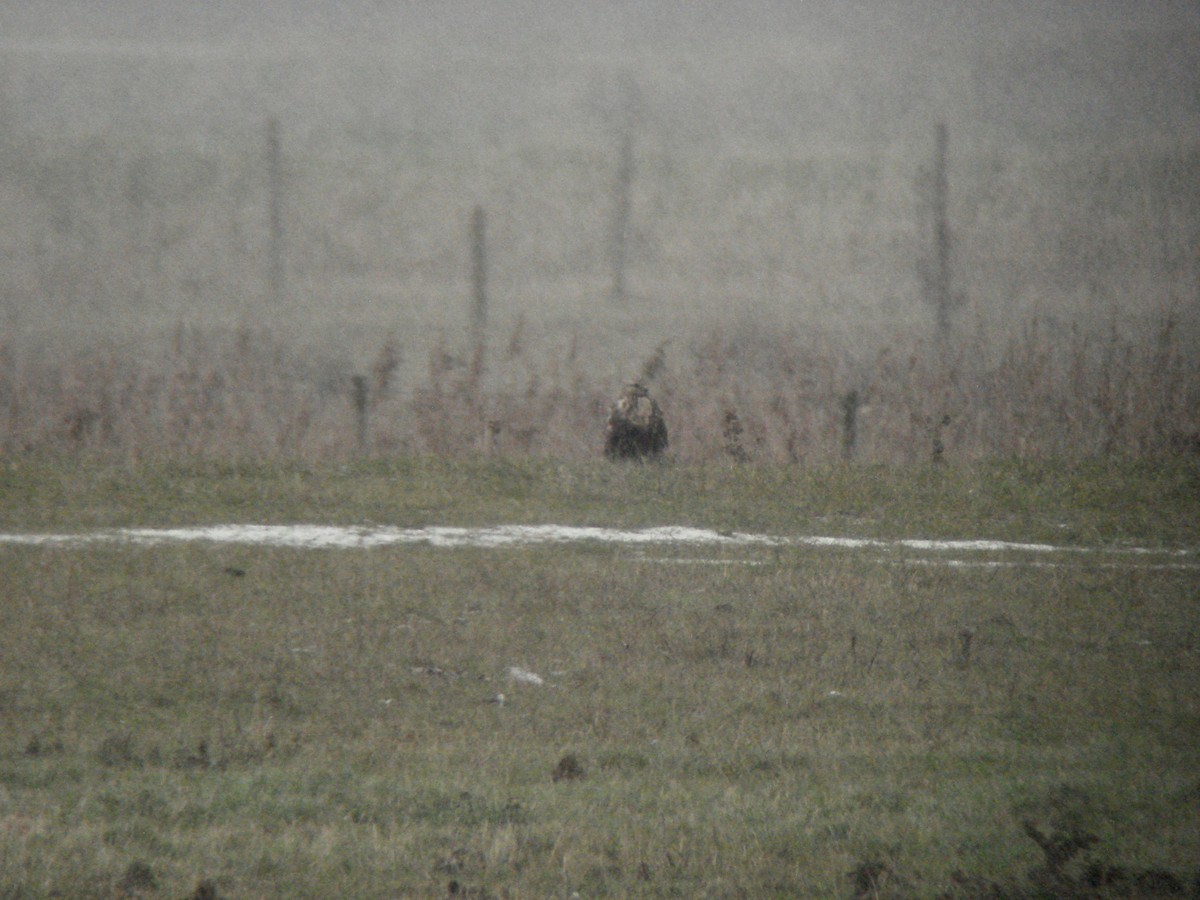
<point x="766" y="164"/>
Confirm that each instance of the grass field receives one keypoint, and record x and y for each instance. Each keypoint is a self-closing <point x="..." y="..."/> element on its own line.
<point x="218" y="720"/>
<point x="238" y="287"/>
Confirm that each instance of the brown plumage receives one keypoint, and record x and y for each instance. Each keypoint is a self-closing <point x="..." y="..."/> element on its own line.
<point x="635" y="428"/>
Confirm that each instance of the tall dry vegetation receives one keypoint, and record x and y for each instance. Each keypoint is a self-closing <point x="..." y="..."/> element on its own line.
<point x="744" y="175"/>
<point x="247" y="394"/>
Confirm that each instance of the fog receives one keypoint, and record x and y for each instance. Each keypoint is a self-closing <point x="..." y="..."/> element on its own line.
<point x="647" y="170"/>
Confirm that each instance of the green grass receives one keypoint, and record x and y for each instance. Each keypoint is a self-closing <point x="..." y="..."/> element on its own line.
<point x="1151" y="501"/>
<point x="763" y="727"/>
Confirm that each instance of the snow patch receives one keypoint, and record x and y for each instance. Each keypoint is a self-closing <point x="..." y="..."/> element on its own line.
<point x="502" y="536"/>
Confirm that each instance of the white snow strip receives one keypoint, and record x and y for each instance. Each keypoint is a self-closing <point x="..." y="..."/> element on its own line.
<point x="500" y="536"/>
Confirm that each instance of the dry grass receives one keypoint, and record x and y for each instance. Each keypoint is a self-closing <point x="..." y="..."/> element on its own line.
<point x="746" y="395"/>
<point x="774" y="256"/>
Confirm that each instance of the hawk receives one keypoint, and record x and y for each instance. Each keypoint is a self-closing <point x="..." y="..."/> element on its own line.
<point x="635" y="428"/>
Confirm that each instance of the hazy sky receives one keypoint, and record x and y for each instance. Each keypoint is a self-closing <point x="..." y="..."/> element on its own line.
<point x="224" y="19"/>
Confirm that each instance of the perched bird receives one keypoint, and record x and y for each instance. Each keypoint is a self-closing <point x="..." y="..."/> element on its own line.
<point x="635" y="428"/>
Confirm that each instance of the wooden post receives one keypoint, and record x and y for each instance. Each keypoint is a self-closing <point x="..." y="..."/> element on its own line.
<point x="938" y="454"/>
<point x="850" y="404"/>
<point x="139" y="196"/>
<point x="941" y="228"/>
<point x="934" y="269"/>
<point x="622" y="206"/>
<point x="276" y="274"/>
<point x="479" y="310"/>
<point x="359" y="395"/>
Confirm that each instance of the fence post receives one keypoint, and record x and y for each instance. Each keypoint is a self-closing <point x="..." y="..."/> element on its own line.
<point x="622" y="206"/>
<point x="938" y="454"/>
<point x="850" y="404"/>
<point x="359" y="395"/>
<point x="934" y="268"/>
<point x="479" y="310"/>
<point x="276" y="275"/>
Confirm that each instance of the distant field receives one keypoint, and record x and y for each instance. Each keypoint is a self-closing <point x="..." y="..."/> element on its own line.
<point x="732" y="721"/>
<point x="776" y="173"/>
<point x="776" y="218"/>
